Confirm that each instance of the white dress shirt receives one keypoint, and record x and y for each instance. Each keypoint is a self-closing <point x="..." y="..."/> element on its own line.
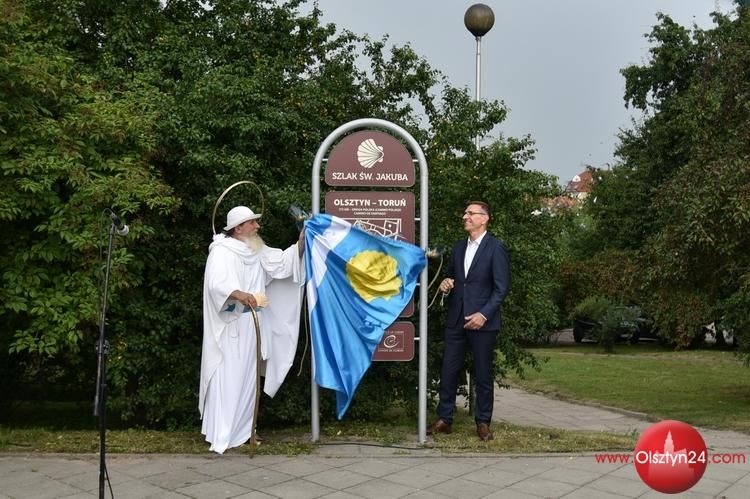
<point x="471" y="250"/>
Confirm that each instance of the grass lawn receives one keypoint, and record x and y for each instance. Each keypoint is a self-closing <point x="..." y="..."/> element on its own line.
<point x="70" y="434"/>
<point x="709" y="388"/>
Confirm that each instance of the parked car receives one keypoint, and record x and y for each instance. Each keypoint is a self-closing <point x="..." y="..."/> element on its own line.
<point x="583" y="329"/>
<point x="646" y="330"/>
<point x="587" y="330"/>
<point x="597" y="318"/>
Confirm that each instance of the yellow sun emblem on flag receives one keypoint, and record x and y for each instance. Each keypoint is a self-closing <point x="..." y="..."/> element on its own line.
<point x="373" y="274"/>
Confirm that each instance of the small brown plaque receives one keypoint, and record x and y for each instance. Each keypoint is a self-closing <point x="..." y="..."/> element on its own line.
<point x="397" y="343"/>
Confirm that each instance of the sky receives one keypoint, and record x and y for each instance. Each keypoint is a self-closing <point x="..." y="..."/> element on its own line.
<point x="554" y="63"/>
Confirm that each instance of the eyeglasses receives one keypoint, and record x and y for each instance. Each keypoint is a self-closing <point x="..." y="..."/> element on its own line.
<point x="472" y="213"/>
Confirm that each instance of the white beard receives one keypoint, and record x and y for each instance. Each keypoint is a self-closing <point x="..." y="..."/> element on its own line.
<point x="255" y="243"/>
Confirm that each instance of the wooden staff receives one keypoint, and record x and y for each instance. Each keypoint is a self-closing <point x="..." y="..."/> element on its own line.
<point x="258" y="359"/>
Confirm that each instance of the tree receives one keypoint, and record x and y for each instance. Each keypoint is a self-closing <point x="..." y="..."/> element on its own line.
<point x="155" y="108"/>
<point x="460" y="173"/>
<point x="69" y="149"/>
<point x="680" y="198"/>
<point x="706" y="208"/>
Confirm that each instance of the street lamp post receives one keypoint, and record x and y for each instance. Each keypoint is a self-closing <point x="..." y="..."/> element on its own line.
<point x="479" y="19"/>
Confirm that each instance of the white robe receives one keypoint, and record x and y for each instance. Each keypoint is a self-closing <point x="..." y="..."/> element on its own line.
<point x="228" y="362"/>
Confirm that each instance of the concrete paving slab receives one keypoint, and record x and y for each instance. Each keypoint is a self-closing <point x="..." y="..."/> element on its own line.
<point x="511" y="494"/>
<point x="256" y="495"/>
<point x="259" y="478"/>
<point x="375" y="489"/>
<point x="338" y="479"/>
<point x="137" y="489"/>
<point x="494" y="477"/>
<point x="298" y="489"/>
<point x="591" y="494"/>
<point x="375" y="467"/>
<point x="417" y="478"/>
<point x="340" y="495"/>
<point x="629" y="487"/>
<point x="177" y="479"/>
<point x="570" y="475"/>
<point x="301" y="467"/>
<point x="459" y="487"/>
<point x="541" y="487"/>
<point x="213" y="488"/>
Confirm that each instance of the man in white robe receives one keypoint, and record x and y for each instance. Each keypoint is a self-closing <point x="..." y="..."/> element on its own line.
<point x="241" y="271"/>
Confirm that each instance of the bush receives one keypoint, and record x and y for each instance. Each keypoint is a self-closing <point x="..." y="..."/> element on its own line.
<point x="613" y="274"/>
<point x="599" y="318"/>
<point x="618" y="322"/>
<point x="591" y="309"/>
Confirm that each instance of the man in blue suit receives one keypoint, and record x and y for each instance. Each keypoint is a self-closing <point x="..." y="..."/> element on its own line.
<point x="478" y="280"/>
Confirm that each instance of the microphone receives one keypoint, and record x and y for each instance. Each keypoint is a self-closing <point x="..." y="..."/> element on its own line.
<point x="122" y="229"/>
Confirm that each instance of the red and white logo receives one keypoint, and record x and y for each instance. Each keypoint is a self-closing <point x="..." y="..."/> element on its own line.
<point x="671" y="456"/>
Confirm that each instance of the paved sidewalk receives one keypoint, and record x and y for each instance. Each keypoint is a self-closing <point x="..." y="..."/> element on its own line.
<point x="344" y="474"/>
<point x="354" y="471"/>
<point x="519" y="407"/>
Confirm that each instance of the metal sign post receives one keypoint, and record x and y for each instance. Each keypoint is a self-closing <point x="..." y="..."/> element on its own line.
<point x="370" y="155"/>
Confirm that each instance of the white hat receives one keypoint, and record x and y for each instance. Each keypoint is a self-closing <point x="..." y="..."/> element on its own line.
<point x="238" y="215"/>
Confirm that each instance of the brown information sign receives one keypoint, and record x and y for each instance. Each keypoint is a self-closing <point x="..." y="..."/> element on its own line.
<point x="389" y="214"/>
<point x="397" y="343"/>
<point x="370" y="158"/>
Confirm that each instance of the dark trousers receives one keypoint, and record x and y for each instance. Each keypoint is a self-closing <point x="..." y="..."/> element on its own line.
<point x="482" y="344"/>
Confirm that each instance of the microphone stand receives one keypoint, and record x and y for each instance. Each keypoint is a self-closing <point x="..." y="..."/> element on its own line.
<point x="102" y="350"/>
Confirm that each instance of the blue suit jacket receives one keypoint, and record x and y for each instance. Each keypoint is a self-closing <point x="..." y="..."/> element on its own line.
<point x="484" y="287"/>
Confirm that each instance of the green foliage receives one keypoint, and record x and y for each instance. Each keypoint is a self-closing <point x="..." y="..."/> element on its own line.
<point x="494" y="174"/>
<point x="620" y="206"/>
<point x="153" y="109"/>
<point x="735" y="319"/>
<point x="618" y="322"/>
<point x="592" y="308"/>
<point x="608" y="321"/>
<point x="69" y="148"/>
<point x="614" y="274"/>
<point x="700" y="254"/>
<point x="679" y="201"/>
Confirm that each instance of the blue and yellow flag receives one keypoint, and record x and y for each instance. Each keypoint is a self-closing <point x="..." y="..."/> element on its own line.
<point x="357" y="285"/>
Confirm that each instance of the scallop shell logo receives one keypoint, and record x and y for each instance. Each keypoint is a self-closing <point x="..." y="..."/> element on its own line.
<point x="369" y="153"/>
